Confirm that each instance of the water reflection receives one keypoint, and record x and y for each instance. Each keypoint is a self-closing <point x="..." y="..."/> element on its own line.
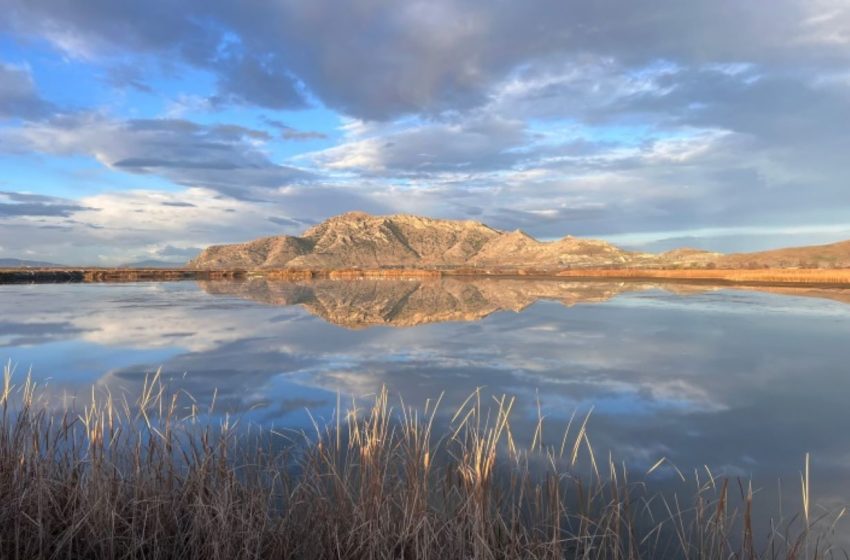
<point x="744" y="382"/>
<point x="410" y="302"/>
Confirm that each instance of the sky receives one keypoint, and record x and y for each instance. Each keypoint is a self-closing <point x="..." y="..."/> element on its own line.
<point x="148" y="130"/>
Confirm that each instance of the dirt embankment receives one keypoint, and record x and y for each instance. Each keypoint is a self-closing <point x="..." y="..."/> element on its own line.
<point x="58" y="276"/>
<point x="759" y="277"/>
<point x="766" y="277"/>
<point x="347" y="274"/>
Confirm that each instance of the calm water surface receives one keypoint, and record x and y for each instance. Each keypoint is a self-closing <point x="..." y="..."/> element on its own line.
<point x="744" y="382"/>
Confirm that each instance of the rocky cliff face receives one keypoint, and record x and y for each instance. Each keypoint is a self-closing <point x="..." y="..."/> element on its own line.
<point x="358" y="240"/>
<point x="518" y="249"/>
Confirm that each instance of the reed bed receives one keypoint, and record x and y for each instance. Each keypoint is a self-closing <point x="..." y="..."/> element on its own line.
<point x="157" y="478"/>
<point x="767" y="275"/>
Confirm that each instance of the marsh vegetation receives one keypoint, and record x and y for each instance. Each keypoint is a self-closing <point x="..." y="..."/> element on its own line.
<point x="156" y="477"/>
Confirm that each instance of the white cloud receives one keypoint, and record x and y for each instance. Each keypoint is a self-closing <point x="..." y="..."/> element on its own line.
<point x="464" y="145"/>
<point x="557" y="118"/>
<point x="227" y="158"/>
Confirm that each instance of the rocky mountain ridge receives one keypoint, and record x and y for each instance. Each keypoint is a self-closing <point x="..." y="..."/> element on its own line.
<point x="357" y="240"/>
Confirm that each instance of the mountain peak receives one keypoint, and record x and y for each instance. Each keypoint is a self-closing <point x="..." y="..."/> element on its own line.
<point x="520" y="234"/>
<point x="362" y="240"/>
<point x="352" y="215"/>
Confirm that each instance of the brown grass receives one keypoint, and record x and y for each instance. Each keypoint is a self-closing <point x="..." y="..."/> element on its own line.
<point x="764" y="276"/>
<point x="61" y="275"/>
<point x="743" y="276"/>
<point x="144" y="479"/>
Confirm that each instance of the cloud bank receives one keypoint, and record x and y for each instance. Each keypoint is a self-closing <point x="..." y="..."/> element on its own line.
<point x="608" y="118"/>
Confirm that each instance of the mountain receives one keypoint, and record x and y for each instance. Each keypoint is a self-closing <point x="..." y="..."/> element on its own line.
<point x="151" y="263"/>
<point x="518" y="249"/>
<point x="22" y="263"/>
<point x="834" y="255"/>
<point x="360" y="240"/>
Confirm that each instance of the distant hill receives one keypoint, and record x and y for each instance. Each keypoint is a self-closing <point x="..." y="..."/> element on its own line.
<point x="151" y="263"/>
<point x="360" y="240"/>
<point x="834" y="255"/>
<point x="22" y="263"/>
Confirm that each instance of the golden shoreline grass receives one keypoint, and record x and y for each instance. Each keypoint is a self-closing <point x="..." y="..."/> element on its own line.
<point x="154" y="478"/>
<point x="816" y="276"/>
<point x="743" y="276"/>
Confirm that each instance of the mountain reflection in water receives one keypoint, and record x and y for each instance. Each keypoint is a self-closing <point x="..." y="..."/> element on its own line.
<point x="409" y="302"/>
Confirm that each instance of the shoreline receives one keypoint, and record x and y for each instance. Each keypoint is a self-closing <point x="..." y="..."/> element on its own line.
<point x="815" y="278"/>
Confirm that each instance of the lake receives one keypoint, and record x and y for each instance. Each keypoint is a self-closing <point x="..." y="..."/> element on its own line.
<point x="741" y="381"/>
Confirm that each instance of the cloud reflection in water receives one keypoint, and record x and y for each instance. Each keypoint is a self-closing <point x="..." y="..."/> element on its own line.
<point x="743" y="381"/>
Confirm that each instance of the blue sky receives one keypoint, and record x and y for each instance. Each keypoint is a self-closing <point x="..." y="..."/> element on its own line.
<point x="133" y="131"/>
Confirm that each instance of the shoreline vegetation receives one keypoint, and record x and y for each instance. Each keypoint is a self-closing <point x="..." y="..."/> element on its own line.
<point x="155" y="477"/>
<point x="777" y="277"/>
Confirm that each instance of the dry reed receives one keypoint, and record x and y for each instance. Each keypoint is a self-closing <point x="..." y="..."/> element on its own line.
<point x="814" y="276"/>
<point x="155" y="478"/>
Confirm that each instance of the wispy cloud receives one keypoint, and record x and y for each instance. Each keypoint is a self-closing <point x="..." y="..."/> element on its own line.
<point x="226" y="158"/>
